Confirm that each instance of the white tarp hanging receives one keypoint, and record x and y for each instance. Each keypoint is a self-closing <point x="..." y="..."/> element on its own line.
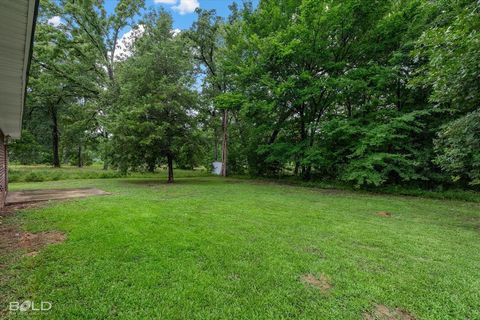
<point x="217" y="168"/>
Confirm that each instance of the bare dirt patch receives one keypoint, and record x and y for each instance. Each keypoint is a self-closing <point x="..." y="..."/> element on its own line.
<point x="26" y="196"/>
<point x="321" y="282"/>
<point x="385" y="214"/>
<point x="11" y="239"/>
<point x="12" y="208"/>
<point x="35" y="241"/>
<point x="382" y="312"/>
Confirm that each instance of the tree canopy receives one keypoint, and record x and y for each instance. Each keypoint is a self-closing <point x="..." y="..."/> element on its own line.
<point x="365" y="92"/>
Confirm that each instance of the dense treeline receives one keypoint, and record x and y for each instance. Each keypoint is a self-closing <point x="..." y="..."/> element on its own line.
<point x="360" y="91"/>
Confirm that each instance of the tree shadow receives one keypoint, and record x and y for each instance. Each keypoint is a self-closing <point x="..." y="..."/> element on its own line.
<point x="178" y="181"/>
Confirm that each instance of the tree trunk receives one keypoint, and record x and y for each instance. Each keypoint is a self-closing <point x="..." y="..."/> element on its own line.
<point x="399" y="95"/>
<point x="215" y="138"/>
<point x="170" y="168"/>
<point x="80" y="163"/>
<point x="297" y="167"/>
<point x="55" y="138"/>
<point x="215" y="155"/>
<point x="307" y="173"/>
<point x="224" y="142"/>
<point x="105" y="152"/>
<point x="110" y="73"/>
<point x="349" y="108"/>
<point x="308" y="170"/>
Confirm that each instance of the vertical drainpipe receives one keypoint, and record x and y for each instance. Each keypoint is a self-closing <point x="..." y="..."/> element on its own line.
<point x="3" y="163"/>
<point x="6" y="167"/>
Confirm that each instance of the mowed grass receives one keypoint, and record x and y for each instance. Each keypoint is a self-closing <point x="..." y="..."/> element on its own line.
<point x="213" y="248"/>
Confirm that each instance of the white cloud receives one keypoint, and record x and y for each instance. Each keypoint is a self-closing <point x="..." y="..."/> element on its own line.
<point x="175" y="32"/>
<point x="186" y="6"/>
<point x="166" y="1"/>
<point x="54" y="21"/>
<point x="124" y="45"/>
<point x="181" y="6"/>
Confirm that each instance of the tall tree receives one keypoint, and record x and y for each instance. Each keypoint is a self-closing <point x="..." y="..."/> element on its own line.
<point x="206" y="35"/>
<point x="95" y="41"/>
<point x="157" y="102"/>
<point x="57" y="78"/>
<point x="451" y="49"/>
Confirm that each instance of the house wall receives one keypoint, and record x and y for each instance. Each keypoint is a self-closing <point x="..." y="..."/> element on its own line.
<point x="3" y="170"/>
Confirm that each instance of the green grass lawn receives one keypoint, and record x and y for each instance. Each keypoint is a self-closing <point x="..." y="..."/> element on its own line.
<point x="209" y="248"/>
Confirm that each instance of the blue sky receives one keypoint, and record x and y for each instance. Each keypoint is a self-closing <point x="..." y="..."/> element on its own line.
<point x="182" y="10"/>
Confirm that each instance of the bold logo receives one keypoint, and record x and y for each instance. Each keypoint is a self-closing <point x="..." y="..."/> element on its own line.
<point x="28" y="305"/>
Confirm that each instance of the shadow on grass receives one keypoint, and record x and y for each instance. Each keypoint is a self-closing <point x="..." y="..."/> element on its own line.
<point x="288" y="186"/>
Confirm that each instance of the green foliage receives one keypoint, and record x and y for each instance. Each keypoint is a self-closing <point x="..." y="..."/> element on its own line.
<point x="369" y="93"/>
<point x="229" y="100"/>
<point x="452" y="50"/>
<point x="346" y="90"/>
<point x="458" y="148"/>
<point x="71" y="79"/>
<point x="385" y="152"/>
<point x="156" y="115"/>
<point x="27" y="150"/>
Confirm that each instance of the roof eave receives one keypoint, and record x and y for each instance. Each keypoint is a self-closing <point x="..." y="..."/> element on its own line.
<point x="32" y="19"/>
